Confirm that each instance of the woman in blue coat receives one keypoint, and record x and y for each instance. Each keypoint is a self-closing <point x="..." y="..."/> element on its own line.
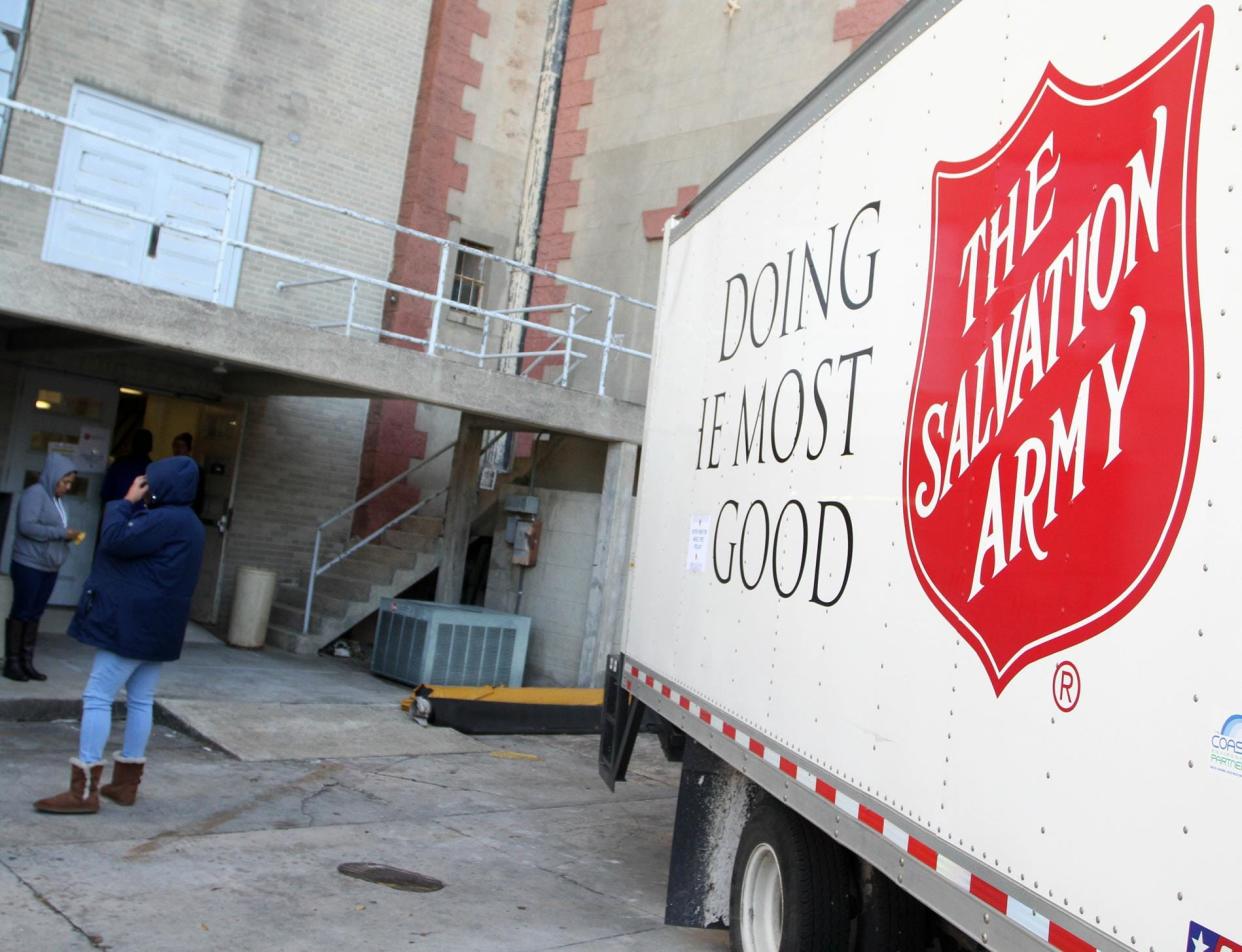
<point x="134" y="612"/>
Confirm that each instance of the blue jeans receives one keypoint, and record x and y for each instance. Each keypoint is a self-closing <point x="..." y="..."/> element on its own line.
<point x="108" y="673"/>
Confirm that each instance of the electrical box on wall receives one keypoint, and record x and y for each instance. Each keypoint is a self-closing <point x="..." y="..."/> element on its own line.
<point x="523" y="505"/>
<point x="526" y="542"/>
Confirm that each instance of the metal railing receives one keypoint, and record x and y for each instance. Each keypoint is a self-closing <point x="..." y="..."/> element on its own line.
<point x="317" y="570"/>
<point x="607" y="345"/>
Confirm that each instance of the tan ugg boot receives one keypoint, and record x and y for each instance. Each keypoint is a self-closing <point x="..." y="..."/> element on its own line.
<point x="83" y="793"/>
<point x="126" y="775"/>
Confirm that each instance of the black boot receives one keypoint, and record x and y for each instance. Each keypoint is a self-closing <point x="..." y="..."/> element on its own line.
<point x="29" y="637"/>
<point x="14" y="670"/>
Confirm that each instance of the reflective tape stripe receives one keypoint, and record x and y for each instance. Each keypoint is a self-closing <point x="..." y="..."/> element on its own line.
<point x="976" y="886"/>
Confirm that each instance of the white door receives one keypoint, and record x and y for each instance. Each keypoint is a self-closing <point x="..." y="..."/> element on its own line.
<point x="65" y="414"/>
<point x="171" y="192"/>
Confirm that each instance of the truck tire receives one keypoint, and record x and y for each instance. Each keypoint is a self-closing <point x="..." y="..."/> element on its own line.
<point x="790" y="888"/>
<point x="890" y="919"/>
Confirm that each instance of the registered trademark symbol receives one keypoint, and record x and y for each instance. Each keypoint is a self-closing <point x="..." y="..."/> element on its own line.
<point x="1066" y="686"/>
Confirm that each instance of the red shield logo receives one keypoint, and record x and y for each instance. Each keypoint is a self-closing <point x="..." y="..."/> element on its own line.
<point x="1056" y="406"/>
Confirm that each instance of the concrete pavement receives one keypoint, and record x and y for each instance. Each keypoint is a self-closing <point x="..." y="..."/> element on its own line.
<point x="222" y="853"/>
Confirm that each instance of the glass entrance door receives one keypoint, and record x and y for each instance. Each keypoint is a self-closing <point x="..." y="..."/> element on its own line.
<point x="72" y="416"/>
<point x="220" y="428"/>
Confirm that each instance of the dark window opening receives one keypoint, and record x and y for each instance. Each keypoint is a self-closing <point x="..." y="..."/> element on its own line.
<point x="469" y="281"/>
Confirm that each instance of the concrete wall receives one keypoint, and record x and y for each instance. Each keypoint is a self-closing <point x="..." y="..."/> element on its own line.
<point x="555" y="590"/>
<point x="326" y="88"/>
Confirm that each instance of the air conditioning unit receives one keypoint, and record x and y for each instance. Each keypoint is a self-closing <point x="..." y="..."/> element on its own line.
<point x="429" y="643"/>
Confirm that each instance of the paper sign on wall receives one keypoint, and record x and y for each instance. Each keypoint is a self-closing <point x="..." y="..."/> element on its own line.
<point x="700" y="529"/>
<point x="92" y="449"/>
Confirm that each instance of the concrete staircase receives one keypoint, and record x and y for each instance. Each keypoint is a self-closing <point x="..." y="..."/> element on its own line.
<point x="354" y="588"/>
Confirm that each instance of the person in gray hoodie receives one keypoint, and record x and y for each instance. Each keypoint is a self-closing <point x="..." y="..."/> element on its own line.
<point x="40" y="547"/>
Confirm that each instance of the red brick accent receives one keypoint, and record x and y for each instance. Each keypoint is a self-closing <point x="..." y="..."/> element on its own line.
<point x="653" y="221"/>
<point x="858" y="22"/>
<point x="392" y="438"/>
<point x="569" y="141"/>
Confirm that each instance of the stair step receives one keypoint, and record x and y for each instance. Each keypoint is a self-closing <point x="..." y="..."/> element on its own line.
<point x="379" y="554"/>
<point x="422" y="525"/>
<point x="360" y="570"/>
<point x="289" y="617"/>
<point x="294" y="596"/>
<point x="349" y="589"/>
<point x="293" y="641"/>
<point x="408" y="541"/>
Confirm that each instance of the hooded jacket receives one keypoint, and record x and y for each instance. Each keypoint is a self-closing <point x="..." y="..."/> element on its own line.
<point x="137" y="599"/>
<point x="39" y="542"/>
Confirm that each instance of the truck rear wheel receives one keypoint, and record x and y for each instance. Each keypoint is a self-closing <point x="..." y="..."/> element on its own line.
<point x="890" y="920"/>
<point x="790" y="889"/>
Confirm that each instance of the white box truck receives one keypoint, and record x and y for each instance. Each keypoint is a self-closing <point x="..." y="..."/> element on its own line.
<point x="933" y="555"/>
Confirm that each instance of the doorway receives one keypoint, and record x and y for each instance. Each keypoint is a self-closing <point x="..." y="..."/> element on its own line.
<point x="94" y="421"/>
<point x="215" y="435"/>
<point x="71" y="416"/>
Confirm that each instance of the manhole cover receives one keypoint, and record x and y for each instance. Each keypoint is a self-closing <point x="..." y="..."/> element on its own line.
<point x="391" y="876"/>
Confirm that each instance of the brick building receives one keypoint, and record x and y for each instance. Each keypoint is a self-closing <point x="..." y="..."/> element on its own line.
<point x="560" y="133"/>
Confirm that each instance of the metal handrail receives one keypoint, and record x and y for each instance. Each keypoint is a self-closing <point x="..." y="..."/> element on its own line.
<point x="331" y="269"/>
<point x="410" y="471"/>
<point x="317" y="203"/>
<point x="317" y="570"/>
<point x="438" y="299"/>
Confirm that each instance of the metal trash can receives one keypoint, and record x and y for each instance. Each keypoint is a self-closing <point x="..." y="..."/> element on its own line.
<point x="252" y="606"/>
<point x="6" y="596"/>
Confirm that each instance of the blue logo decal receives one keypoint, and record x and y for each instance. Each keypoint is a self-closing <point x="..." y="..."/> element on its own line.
<point x="1226" y="755"/>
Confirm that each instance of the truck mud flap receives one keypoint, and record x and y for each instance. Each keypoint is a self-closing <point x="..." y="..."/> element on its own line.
<point x="621" y="722"/>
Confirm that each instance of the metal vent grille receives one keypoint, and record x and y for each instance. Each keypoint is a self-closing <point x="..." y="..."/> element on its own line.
<point x="427" y="643"/>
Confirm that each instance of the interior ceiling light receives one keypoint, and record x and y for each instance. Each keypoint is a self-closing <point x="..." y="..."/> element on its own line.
<point x="42" y="405"/>
<point x="130" y="391"/>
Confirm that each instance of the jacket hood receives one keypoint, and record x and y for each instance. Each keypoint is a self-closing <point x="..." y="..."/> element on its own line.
<point x="55" y="469"/>
<point x="173" y="481"/>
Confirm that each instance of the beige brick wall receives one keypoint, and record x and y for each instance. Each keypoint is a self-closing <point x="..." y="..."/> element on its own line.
<point x="326" y="88"/>
<point x="680" y="91"/>
<point x="503" y="105"/>
<point x="488" y="210"/>
<point x="299" y="465"/>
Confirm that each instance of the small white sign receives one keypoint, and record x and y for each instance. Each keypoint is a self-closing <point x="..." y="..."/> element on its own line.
<point x="92" y="449"/>
<point x="700" y="531"/>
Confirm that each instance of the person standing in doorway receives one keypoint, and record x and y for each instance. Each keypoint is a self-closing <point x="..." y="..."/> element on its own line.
<point x="183" y="445"/>
<point x="122" y="473"/>
<point x="40" y="547"/>
<point x="133" y="612"/>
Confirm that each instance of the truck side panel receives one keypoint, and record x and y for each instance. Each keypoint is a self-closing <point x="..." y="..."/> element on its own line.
<point x="1075" y="782"/>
